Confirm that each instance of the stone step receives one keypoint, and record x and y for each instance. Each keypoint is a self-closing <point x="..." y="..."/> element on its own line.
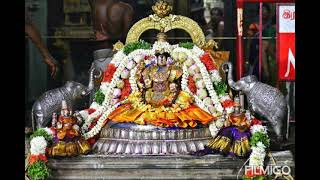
<point x="154" y="167"/>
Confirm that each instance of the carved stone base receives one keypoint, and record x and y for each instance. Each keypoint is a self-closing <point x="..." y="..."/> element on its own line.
<point x="151" y="141"/>
<point x="155" y="167"/>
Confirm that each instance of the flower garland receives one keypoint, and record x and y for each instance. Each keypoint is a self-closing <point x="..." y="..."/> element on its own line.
<point x="227" y="103"/>
<point x="209" y="85"/>
<point x="111" y="69"/>
<point x="107" y="88"/>
<point x="187" y="45"/>
<point x="197" y="51"/>
<point x="259" y="142"/>
<point x="123" y="68"/>
<point x="100" y="123"/>
<point x="126" y="90"/>
<point x="207" y="61"/>
<point x="128" y="63"/>
<point x="136" y="45"/>
<point x="215" y="126"/>
<point x="204" y="74"/>
<point x="192" y="85"/>
<point x="99" y="97"/>
<point x="161" y="47"/>
<point x="37" y="161"/>
<point x="184" y="87"/>
<point x="117" y="58"/>
<point x="132" y="80"/>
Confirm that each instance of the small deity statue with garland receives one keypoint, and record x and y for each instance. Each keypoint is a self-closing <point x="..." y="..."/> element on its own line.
<point x="67" y="139"/>
<point x="234" y="139"/>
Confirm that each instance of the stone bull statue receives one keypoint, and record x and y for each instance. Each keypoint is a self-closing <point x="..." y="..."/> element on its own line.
<point x="264" y="100"/>
<point x="50" y="101"/>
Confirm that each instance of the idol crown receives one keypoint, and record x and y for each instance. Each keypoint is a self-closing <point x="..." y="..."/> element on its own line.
<point x="162" y="8"/>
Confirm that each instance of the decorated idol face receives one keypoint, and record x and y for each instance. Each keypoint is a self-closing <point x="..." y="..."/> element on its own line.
<point x="162" y="60"/>
<point x="237" y="109"/>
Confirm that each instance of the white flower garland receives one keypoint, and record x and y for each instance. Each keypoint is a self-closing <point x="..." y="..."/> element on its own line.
<point x="95" y="105"/>
<point x="162" y="46"/>
<point x="141" y="53"/>
<point x="257" y="156"/>
<point x="215" y="126"/>
<point x="38" y="145"/>
<point x="258" y="128"/>
<point x="184" y="80"/>
<point x="215" y="76"/>
<point x="197" y="51"/>
<point x="132" y="80"/>
<point x="96" y="129"/>
<point x="258" y="153"/>
<point x="117" y="58"/>
<point x="104" y="87"/>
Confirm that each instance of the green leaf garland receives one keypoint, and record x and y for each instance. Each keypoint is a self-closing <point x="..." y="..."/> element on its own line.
<point x="136" y="45"/>
<point x="187" y="45"/>
<point x="220" y="87"/>
<point x="259" y="136"/>
<point x="99" y="97"/>
<point x="38" y="171"/>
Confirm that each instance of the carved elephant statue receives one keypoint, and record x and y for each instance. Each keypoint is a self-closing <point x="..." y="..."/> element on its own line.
<point x="102" y="58"/>
<point x="50" y="101"/>
<point x="263" y="99"/>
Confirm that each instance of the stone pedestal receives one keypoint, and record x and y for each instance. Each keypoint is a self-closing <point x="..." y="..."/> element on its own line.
<point x="155" y="167"/>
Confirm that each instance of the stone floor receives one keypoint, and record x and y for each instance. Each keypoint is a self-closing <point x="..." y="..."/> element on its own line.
<point x="155" y="167"/>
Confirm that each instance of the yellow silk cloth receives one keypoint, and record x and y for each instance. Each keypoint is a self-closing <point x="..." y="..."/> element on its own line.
<point x="239" y="147"/>
<point x="188" y="117"/>
<point x="62" y="148"/>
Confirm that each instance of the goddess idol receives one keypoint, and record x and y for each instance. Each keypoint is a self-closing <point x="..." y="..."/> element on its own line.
<point x="158" y="98"/>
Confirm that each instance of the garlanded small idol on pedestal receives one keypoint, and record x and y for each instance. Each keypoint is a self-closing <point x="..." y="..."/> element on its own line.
<point x="67" y="140"/>
<point x="234" y="139"/>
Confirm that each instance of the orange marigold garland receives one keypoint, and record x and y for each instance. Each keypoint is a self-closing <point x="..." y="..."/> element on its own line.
<point x="227" y="103"/>
<point x="35" y="158"/>
<point x="192" y="85"/>
<point x="208" y="61"/>
<point x="126" y="89"/>
<point x="111" y="69"/>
